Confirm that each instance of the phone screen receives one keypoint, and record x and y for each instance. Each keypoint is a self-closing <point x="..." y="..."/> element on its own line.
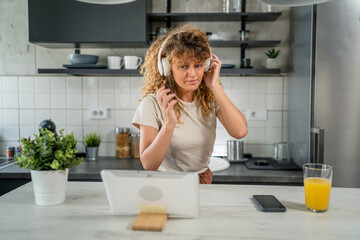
<point x="269" y="203"/>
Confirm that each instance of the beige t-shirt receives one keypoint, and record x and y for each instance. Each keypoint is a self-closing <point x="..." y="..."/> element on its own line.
<point x="192" y="142"/>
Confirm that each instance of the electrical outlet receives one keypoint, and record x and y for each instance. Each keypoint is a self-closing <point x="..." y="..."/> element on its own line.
<point x="257" y="114"/>
<point x="98" y="113"/>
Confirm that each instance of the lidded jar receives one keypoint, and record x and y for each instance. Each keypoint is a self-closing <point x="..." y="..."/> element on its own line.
<point x="135" y="145"/>
<point x="122" y="142"/>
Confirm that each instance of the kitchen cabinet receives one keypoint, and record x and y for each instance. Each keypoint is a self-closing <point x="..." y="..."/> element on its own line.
<point x="77" y="24"/>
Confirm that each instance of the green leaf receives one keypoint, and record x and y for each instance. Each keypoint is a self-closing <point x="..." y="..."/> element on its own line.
<point x="55" y="164"/>
<point x="272" y="53"/>
<point x="92" y="140"/>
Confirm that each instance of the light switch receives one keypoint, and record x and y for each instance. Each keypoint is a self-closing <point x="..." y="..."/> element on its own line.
<point x="257" y="114"/>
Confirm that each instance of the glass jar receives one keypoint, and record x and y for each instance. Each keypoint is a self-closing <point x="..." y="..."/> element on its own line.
<point x="135" y="145"/>
<point x="244" y="35"/>
<point x="122" y="143"/>
<point x="226" y="6"/>
<point x="10" y="151"/>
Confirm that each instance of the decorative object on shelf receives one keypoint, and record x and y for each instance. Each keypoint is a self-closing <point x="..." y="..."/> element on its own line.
<point x="214" y="37"/>
<point x="245" y="63"/>
<point x="161" y="31"/>
<point x="224" y="65"/>
<point x="237" y="5"/>
<point x="92" y="143"/>
<point x="293" y="3"/>
<point x="115" y="62"/>
<point x="49" y="158"/>
<point x="271" y="62"/>
<point x="266" y="8"/>
<point x="244" y="35"/>
<point x="132" y="62"/>
<point x="83" y="58"/>
<point x="226" y="6"/>
<point x="187" y="6"/>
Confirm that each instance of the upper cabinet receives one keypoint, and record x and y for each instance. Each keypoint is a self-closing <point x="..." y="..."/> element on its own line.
<point x="75" y="24"/>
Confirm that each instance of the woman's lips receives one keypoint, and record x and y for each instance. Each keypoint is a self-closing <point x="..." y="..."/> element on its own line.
<point x="191" y="81"/>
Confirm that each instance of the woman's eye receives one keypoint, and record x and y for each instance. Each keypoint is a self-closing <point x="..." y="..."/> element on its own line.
<point x="198" y="65"/>
<point x="184" y="66"/>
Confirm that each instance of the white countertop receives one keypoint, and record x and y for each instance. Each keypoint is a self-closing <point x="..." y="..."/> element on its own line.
<point x="226" y="212"/>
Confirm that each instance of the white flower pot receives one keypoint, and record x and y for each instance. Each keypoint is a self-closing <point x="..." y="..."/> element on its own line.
<point x="271" y="63"/>
<point x="49" y="186"/>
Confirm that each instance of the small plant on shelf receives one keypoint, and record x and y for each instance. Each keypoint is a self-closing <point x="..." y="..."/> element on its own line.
<point x="272" y="53"/>
<point x="271" y="62"/>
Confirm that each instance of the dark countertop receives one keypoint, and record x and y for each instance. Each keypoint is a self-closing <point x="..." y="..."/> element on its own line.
<point x="237" y="173"/>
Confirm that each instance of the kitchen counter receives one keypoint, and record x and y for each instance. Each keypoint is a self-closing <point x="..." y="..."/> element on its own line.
<point x="226" y="212"/>
<point x="237" y="173"/>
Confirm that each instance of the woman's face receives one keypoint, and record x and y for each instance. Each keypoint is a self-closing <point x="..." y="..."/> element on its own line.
<point x="188" y="73"/>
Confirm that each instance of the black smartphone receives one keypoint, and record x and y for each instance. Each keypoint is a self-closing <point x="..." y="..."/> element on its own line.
<point x="268" y="203"/>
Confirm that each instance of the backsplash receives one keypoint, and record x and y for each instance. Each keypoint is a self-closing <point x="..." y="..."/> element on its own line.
<point x="27" y="100"/>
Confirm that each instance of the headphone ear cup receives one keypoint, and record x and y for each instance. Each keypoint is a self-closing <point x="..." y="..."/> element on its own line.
<point x="166" y="67"/>
<point x="160" y="68"/>
<point x="207" y="65"/>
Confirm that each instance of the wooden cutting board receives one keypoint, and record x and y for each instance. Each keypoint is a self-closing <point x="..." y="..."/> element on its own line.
<point x="150" y="221"/>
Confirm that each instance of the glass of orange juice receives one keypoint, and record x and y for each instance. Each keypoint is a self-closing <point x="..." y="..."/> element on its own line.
<point x="317" y="186"/>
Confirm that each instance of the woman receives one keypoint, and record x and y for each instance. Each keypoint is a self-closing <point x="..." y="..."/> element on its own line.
<point x="182" y="97"/>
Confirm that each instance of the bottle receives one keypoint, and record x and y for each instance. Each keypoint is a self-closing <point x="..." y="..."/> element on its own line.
<point x="226" y="6"/>
<point x="135" y="145"/>
<point x="237" y="5"/>
<point x="122" y="143"/>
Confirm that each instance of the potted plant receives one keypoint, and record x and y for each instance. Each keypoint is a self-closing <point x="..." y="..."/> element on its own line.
<point x="49" y="158"/>
<point x="92" y="143"/>
<point x="271" y="61"/>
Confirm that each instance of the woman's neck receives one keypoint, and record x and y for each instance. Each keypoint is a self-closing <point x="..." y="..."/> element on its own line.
<point x="186" y="96"/>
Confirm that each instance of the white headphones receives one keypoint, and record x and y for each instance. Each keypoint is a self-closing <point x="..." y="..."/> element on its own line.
<point x="164" y="66"/>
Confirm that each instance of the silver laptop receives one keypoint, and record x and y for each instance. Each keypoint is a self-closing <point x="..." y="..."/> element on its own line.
<point x="127" y="190"/>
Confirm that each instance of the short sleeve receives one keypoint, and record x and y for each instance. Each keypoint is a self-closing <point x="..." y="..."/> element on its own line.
<point x="148" y="113"/>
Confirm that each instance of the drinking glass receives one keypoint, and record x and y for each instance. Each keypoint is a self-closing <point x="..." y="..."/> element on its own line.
<point x="317" y="186"/>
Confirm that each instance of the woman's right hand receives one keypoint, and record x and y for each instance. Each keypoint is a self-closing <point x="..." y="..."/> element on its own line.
<point x="166" y="101"/>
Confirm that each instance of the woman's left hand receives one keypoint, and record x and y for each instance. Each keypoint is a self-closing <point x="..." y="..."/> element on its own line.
<point x="212" y="79"/>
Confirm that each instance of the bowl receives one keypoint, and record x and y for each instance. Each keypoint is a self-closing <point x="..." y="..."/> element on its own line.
<point x="83" y="59"/>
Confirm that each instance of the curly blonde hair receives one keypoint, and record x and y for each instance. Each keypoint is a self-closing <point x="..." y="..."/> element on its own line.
<point x="186" y="40"/>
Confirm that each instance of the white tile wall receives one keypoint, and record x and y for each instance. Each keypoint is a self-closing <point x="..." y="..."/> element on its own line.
<point x="66" y="101"/>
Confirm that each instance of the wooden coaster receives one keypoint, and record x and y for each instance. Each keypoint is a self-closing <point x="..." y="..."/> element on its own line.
<point x="150" y="221"/>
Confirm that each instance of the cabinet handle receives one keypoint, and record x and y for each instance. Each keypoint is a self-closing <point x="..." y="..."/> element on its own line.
<point x="318" y="145"/>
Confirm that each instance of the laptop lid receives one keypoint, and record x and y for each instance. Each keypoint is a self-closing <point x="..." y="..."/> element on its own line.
<point x="127" y="190"/>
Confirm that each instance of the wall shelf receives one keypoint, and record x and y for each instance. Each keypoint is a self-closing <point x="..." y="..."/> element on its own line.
<point x="136" y="72"/>
<point x="87" y="71"/>
<point x="213" y="17"/>
<point x="250" y="43"/>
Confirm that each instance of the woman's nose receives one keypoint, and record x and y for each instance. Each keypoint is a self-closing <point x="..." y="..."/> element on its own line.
<point x="191" y="70"/>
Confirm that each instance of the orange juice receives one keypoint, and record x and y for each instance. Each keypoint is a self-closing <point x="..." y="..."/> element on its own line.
<point x="317" y="193"/>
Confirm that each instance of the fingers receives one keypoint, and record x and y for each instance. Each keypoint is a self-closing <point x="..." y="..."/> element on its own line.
<point x="167" y="99"/>
<point x="161" y="93"/>
<point x="164" y="97"/>
<point x="215" y="60"/>
<point x="171" y="105"/>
